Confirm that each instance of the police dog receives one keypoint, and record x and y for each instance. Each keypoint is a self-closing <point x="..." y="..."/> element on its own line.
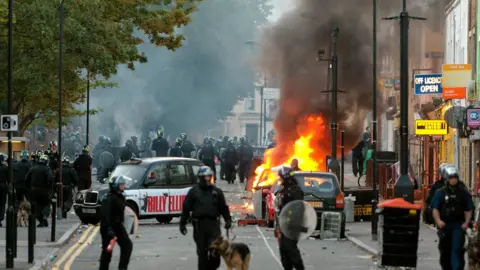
<point x="235" y="255"/>
<point x="24" y="210"/>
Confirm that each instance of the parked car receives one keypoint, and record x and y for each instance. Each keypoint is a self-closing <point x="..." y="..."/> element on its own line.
<point x="158" y="189"/>
<point x="322" y="192"/>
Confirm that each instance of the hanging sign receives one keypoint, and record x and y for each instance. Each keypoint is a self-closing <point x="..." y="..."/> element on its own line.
<point x="473" y="118"/>
<point x="428" y="84"/>
<point x="431" y="127"/>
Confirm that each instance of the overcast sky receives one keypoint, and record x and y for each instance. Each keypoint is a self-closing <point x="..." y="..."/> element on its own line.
<point x="280" y="6"/>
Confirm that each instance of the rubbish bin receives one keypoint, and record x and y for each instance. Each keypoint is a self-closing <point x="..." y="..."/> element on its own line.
<point x="399" y="223"/>
<point x="350" y="208"/>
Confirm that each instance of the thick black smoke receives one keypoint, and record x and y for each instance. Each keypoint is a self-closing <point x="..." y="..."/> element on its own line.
<point x="289" y="50"/>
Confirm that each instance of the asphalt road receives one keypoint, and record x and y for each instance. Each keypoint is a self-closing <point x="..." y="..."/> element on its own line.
<point x="162" y="246"/>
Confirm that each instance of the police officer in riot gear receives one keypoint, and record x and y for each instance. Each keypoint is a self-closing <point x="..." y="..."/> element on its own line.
<point x="53" y="156"/>
<point x="83" y="167"/>
<point x="20" y="170"/>
<point x="223" y="147"/>
<point x="289" y="252"/>
<point x="111" y="226"/>
<point x="134" y="147"/>
<point x="176" y="151"/>
<point x="187" y="146"/>
<point x="126" y="153"/>
<point x="207" y="155"/>
<point x="245" y="152"/>
<point x="3" y="187"/>
<point x="452" y="211"/>
<point x="230" y="160"/>
<point x="160" y="145"/>
<point x="207" y="203"/>
<point x="40" y="181"/>
<point x="440" y="183"/>
<point x="70" y="180"/>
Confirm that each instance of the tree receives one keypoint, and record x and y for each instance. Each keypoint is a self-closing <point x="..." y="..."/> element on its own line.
<point x="98" y="37"/>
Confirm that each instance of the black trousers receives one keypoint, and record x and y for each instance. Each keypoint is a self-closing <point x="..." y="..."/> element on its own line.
<point x="41" y="198"/>
<point x="290" y="254"/>
<point x="204" y="233"/>
<point x="244" y="170"/>
<point x="123" y="241"/>
<point x="3" y="202"/>
<point x="357" y="164"/>
<point x="230" y="173"/>
<point x="222" y="170"/>
<point x="211" y="164"/>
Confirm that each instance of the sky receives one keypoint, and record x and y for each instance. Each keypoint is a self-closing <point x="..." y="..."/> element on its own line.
<point x="280" y="6"/>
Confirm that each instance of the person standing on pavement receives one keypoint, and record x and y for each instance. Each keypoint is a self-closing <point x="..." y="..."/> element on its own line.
<point x="207" y="155"/>
<point x="176" y="151"/>
<point x="20" y="170"/>
<point x="83" y="167"/>
<point x="245" y="152"/>
<point x="289" y="252"/>
<point x="160" y="145"/>
<point x="206" y="203"/>
<point x="111" y="225"/>
<point x="70" y="180"/>
<point x="187" y="146"/>
<point x="452" y="211"/>
<point x="40" y="181"/>
<point x="357" y="159"/>
<point x="230" y="160"/>
<point x="3" y="187"/>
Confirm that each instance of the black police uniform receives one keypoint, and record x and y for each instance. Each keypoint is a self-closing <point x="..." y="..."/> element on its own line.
<point x="160" y="146"/>
<point x="176" y="151"/>
<point x="125" y="154"/>
<point x="245" y="152"/>
<point x="427" y="213"/>
<point x="230" y="160"/>
<point x="207" y="203"/>
<point x="357" y="159"/>
<point x="39" y="180"/>
<point x="207" y="156"/>
<point x="20" y="170"/>
<point x="223" y="148"/>
<point x="289" y="252"/>
<point x="53" y="161"/>
<point x="187" y="148"/>
<point x="83" y="167"/>
<point x="452" y="203"/>
<point x="3" y="189"/>
<point x="69" y="181"/>
<point x="113" y="214"/>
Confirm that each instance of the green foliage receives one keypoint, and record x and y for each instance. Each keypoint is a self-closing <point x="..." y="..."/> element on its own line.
<point x="98" y="37"/>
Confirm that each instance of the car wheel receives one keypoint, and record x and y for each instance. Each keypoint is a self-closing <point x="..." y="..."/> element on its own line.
<point x="133" y="206"/>
<point x="89" y="220"/>
<point x="164" y="219"/>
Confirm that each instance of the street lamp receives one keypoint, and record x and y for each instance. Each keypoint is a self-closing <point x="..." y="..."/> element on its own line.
<point x="87" y="135"/>
<point x="263" y="103"/>
<point x="374" y="124"/>
<point x="60" y="106"/>
<point x="403" y="186"/>
<point x="334" y="166"/>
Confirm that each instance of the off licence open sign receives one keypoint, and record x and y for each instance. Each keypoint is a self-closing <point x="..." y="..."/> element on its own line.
<point x="428" y="84"/>
<point x="431" y="127"/>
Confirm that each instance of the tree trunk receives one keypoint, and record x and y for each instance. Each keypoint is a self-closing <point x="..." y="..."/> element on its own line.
<point x="25" y="123"/>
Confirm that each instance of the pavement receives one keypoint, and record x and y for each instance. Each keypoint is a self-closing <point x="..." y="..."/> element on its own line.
<point x="163" y="245"/>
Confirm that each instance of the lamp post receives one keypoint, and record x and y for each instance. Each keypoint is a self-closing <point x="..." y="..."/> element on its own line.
<point x="403" y="186"/>
<point x="87" y="135"/>
<point x="60" y="106"/>
<point x="374" y="123"/>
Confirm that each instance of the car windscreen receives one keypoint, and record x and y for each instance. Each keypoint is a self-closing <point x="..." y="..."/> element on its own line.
<point x="136" y="173"/>
<point x="317" y="183"/>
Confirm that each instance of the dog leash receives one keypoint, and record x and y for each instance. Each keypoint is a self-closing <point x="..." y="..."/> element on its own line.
<point x="228" y="235"/>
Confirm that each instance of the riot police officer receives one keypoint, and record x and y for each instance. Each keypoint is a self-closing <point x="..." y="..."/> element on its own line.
<point x="289" y="252"/>
<point x="452" y="211"/>
<point x="440" y="183"/>
<point x="176" y="151"/>
<point x="245" y="152"/>
<point x="126" y="153"/>
<point x="3" y="187"/>
<point x="207" y="203"/>
<point x="207" y="155"/>
<point x="111" y="226"/>
<point x="69" y="181"/>
<point x="83" y="167"/>
<point x="40" y="181"/>
<point x="134" y="147"/>
<point x="160" y="145"/>
<point x="20" y="170"/>
<point x="187" y="146"/>
<point x="223" y="147"/>
<point x="230" y="160"/>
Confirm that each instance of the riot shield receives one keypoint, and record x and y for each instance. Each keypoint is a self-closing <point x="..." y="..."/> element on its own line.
<point x="131" y="222"/>
<point x="106" y="160"/>
<point x="297" y="220"/>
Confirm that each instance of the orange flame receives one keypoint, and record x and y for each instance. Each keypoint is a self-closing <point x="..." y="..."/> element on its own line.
<point x="308" y="148"/>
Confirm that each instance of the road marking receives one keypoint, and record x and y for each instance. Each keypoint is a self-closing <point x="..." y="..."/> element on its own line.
<point x="268" y="246"/>
<point x="72" y="248"/>
<point x="81" y="248"/>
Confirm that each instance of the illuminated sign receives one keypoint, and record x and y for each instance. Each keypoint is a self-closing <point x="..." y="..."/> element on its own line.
<point x="431" y="127"/>
<point x="428" y="84"/>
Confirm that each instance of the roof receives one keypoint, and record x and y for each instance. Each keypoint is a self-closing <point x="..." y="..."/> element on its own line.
<point x="315" y="172"/>
<point x="148" y="161"/>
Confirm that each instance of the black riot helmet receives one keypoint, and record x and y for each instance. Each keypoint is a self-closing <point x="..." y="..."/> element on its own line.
<point x="128" y="143"/>
<point x="205" y="176"/>
<point x="206" y="140"/>
<point x="243" y="140"/>
<point x="134" y="139"/>
<point x="178" y="142"/>
<point x="101" y="139"/>
<point x="183" y="136"/>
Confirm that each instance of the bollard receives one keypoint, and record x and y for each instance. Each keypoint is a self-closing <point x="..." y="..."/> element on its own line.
<point x="15" y="214"/>
<point x="54" y="219"/>
<point x="349" y="208"/>
<point x="31" y="236"/>
<point x="9" y="235"/>
<point x="34" y="227"/>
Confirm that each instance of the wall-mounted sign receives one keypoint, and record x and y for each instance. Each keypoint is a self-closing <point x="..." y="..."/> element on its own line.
<point x="428" y="84"/>
<point x="455" y="80"/>
<point x="473" y="118"/>
<point x="431" y="127"/>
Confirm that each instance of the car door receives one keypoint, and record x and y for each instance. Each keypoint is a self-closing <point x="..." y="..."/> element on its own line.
<point x="154" y="198"/>
<point x="180" y="181"/>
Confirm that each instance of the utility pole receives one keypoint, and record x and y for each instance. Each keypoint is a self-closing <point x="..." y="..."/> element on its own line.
<point x="334" y="166"/>
<point x="404" y="187"/>
<point x="60" y="106"/>
<point x="374" y="124"/>
<point x="87" y="135"/>
<point x="11" y="228"/>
